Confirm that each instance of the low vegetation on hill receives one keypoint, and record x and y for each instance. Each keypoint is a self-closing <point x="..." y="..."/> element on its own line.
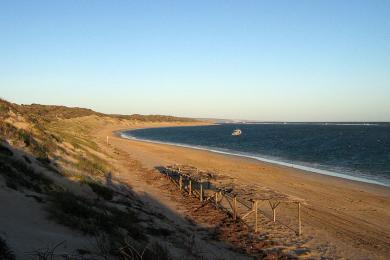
<point x="41" y="130"/>
<point x="46" y="157"/>
<point x="49" y="113"/>
<point x="154" y="118"/>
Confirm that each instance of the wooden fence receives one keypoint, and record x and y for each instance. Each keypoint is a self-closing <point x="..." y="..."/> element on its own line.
<point x="238" y="208"/>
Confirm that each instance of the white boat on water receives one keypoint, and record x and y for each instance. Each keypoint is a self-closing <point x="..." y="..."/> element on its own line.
<point x="237" y="132"/>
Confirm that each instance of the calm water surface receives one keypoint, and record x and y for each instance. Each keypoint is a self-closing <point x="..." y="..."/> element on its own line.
<point x="354" y="151"/>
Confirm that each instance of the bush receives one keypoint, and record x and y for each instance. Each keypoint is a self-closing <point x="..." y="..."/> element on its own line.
<point x="8" y="131"/>
<point x="92" y="218"/>
<point x="92" y="166"/>
<point x="3" y="110"/>
<point x="157" y="252"/>
<point x="152" y="252"/>
<point x="5" y="151"/>
<point x="17" y="173"/>
<point x="101" y="190"/>
<point x="24" y="136"/>
<point x="5" y="252"/>
<point x="73" y="211"/>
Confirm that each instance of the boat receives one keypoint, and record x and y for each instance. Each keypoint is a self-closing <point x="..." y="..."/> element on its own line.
<point x="237" y="132"/>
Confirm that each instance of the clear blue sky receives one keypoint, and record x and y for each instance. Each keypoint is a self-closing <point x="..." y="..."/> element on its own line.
<point x="263" y="60"/>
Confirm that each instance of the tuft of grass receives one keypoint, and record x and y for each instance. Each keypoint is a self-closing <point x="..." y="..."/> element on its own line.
<point x="5" y="252"/>
<point x="11" y="184"/>
<point x="157" y="252"/>
<point x="57" y="138"/>
<point x="27" y="159"/>
<point x="24" y="136"/>
<point x="43" y="159"/>
<point x="91" y="165"/>
<point x="74" y="211"/>
<point x="18" y="173"/>
<point x="100" y="190"/>
<point x="153" y="251"/>
<point x="5" y="151"/>
<point x="4" y="108"/>
<point x="92" y="217"/>
<point x="40" y="147"/>
<point x="159" y="231"/>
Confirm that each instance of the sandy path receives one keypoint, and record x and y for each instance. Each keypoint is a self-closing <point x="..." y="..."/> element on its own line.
<point x="341" y="218"/>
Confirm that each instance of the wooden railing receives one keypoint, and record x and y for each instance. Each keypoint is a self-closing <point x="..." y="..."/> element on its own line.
<point x="238" y="208"/>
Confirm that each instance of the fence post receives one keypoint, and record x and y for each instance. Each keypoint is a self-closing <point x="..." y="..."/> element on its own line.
<point x="181" y="182"/>
<point x="190" y="188"/>
<point x="201" y="192"/>
<point x="216" y="199"/>
<point x="235" y="207"/>
<point x="255" y="216"/>
<point x="299" y="220"/>
<point x="274" y="214"/>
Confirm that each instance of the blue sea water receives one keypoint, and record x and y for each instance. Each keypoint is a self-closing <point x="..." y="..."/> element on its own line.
<point x="354" y="151"/>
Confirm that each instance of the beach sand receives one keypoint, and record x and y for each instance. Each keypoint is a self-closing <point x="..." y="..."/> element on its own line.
<point x="341" y="218"/>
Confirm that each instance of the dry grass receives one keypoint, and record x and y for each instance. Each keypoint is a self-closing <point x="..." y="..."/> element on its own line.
<point x="93" y="217"/>
<point x="61" y="145"/>
<point x="18" y="174"/>
<point x="100" y="190"/>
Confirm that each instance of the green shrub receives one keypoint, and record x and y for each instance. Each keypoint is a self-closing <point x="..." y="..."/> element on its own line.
<point x="24" y="136"/>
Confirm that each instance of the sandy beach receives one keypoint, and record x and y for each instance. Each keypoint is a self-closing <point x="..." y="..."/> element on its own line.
<point x="289" y="159"/>
<point x="341" y="218"/>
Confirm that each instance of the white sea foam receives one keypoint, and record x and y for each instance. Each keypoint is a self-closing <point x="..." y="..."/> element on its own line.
<point x="292" y="165"/>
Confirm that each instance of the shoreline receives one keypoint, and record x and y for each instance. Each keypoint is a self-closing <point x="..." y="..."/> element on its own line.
<point x="348" y="216"/>
<point x="304" y="169"/>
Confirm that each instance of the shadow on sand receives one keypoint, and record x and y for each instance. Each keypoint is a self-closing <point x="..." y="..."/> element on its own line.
<point x="144" y="228"/>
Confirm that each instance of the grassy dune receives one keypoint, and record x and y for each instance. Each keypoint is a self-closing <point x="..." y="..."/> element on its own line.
<point x="47" y="154"/>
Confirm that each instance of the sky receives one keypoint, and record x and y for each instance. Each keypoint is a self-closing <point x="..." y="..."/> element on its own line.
<point x="256" y="60"/>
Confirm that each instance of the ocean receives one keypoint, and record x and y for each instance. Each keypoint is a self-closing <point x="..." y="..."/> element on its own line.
<point x="355" y="151"/>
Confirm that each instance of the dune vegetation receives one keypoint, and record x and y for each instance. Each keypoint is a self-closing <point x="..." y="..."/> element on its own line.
<point x="47" y="155"/>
